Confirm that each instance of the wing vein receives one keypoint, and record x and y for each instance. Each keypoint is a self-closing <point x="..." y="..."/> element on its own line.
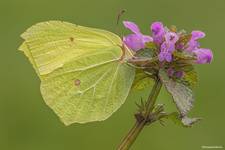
<point x="110" y="87"/>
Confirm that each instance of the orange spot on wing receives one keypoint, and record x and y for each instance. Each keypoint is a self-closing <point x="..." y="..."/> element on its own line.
<point x="77" y="82"/>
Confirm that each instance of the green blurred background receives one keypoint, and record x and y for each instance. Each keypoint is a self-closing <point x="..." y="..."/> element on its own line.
<point x="26" y="123"/>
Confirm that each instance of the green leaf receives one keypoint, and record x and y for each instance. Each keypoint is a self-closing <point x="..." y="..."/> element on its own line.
<point x="184" y="63"/>
<point x="175" y="117"/>
<point x="182" y="94"/>
<point x="146" y="53"/>
<point x="83" y="77"/>
<point x="184" y="39"/>
<point x="183" y="56"/>
<point x="190" y="78"/>
<point x="151" y="45"/>
<point x="141" y="80"/>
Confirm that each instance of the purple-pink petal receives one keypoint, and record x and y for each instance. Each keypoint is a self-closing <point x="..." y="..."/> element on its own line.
<point x="157" y="27"/>
<point x="170" y="72"/>
<point x="179" y="74"/>
<point x="137" y="40"/>
<point x="173" y="73"/>
<point x="131" y="26"/>
<point x="203" y="55"/>
<point x="197" y="35"/>
<point x="171" y="37"/>
<point x="166" y="50"/>
<point x="158" y="32"/>
<point x="147" y="38"/>
<point x="168" y="46"/>
<point x="193" y="43"/>
<point x="134" y="42"/>
<point x="163" y="56"/>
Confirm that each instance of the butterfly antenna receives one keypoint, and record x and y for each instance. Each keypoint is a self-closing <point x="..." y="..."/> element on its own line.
<point x="119" y="15"/>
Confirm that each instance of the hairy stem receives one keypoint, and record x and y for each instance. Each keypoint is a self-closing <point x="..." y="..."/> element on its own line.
<point x="139" y="125"/>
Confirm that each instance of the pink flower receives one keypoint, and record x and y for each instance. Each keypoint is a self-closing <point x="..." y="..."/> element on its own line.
<point x="137" y="40"/>
<point x="158" y="32"/>
<point x="167" y="42"/>
<point x="168" y="46"/>
<point x="203" y="55"/>
<point x="193" y="43"/>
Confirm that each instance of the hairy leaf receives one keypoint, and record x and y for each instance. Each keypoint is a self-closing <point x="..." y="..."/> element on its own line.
<point x="189" y="121"/>
<point x="190" y="78"/>
<point x="182" y="121"/>
<point x="182" y="94"/>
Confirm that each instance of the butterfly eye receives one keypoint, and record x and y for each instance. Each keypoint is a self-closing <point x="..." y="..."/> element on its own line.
<point x="77" y="82"/>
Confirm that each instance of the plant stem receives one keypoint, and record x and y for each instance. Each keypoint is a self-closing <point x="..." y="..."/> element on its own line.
<point x="139" y="125"/>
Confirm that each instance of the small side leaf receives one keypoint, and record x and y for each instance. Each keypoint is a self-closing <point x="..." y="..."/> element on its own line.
<point x="142" y="80"/>
<point x="189" y="121"/>
<point x="151" y="45"/>
<point x="184" y="39"/>
<point x="175" y="117"/>
<point x="182" y="121"/>
<point x="146" y="53"/>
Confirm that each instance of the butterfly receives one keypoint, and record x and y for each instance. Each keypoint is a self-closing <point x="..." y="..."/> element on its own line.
<point x="83" y="75"/>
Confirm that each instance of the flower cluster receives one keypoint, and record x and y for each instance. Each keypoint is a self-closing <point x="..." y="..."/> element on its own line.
<point x="168" y="56"/>
<point x="168" y="41"/>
